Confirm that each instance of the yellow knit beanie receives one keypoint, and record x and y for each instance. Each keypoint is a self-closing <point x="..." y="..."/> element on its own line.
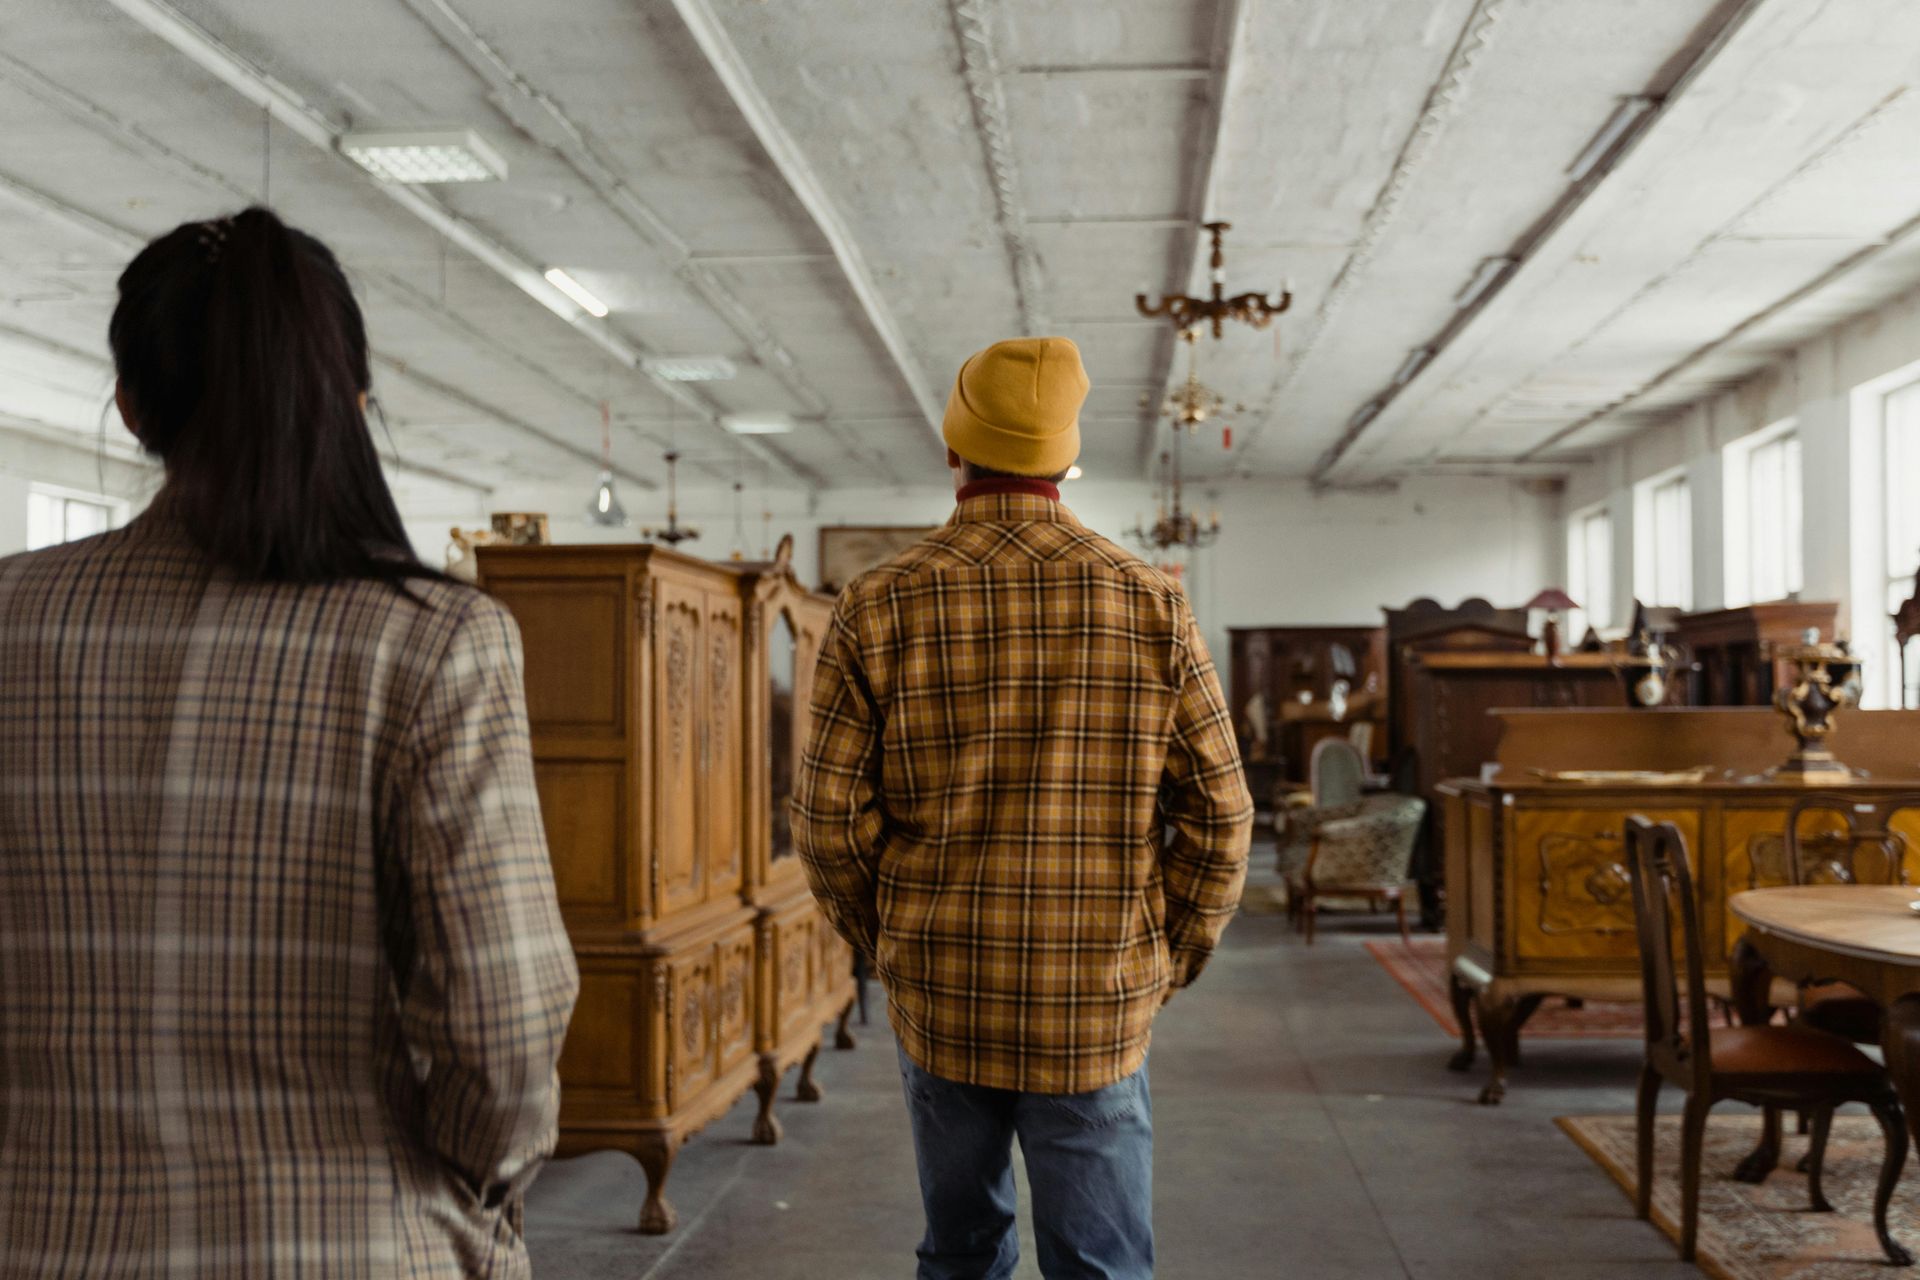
<point x="1015" y="407"/>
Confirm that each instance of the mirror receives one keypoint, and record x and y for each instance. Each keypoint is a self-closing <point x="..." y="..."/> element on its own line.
<point x="782" y="659"/>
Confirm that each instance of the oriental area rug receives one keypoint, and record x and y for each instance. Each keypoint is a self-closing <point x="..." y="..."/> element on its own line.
<point x="1765" y="1232"/>
<point x="1420" y="967"/>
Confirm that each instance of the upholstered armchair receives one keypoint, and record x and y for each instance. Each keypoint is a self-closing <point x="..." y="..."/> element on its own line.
<point x="1345" y="844"/>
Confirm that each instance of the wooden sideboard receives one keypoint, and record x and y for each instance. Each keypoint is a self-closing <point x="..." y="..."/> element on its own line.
<point x="705" y="970"/>
<point x="1728" y="649"/>
<point x="1448" y="697"/>
<point x="1536" y="880"/>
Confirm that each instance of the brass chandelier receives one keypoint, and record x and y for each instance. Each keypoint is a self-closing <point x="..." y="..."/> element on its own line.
<point x="1173" y="525"/>
<point x="1188" y="313"/>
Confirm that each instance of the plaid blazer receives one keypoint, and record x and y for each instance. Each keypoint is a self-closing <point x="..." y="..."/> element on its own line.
<point x="1022" y="795"/>
<point x="282" y="977"/>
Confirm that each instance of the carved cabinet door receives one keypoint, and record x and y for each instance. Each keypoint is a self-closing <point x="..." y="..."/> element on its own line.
<point x="1572" y="895"/>
<point x="693" y="1032"/>
<point x="722" y="756"/>
<point x="679" y="669"/>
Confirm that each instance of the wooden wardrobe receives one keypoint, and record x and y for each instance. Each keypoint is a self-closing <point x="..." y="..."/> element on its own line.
<point x="666" y="694"/>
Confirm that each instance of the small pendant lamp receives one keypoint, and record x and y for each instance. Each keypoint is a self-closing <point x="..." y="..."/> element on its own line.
<point x="605" y="509"/>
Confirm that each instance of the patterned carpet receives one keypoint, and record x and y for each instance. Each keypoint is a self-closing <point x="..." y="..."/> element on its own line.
<point x="1421" y="970"/>
<point x="1765" y="1232"/>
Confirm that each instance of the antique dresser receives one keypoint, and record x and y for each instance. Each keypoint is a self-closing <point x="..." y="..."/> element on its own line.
<point x="1537" y="888"/>
<point x="705" y="969"/>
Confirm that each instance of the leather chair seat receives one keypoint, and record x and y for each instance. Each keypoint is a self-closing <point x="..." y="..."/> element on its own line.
<point x="1774" y="1051"/>
<point x="1841" y="1009"/>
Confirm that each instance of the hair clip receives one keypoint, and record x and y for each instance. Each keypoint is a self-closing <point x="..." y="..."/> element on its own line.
<point x="213" y="237"/>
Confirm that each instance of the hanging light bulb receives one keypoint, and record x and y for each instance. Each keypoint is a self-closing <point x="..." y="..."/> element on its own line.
<point x="605" y="509"/>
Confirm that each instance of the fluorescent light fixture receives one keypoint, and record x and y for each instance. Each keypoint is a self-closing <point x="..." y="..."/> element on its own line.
<point x="1416" y="361"/>
<point x="690" y="368"/>
<point x="577" y="291"/>
<point x="758" y="424"/>
<point x="1624" y="117"/>
<point x="1074" y="473"/>
<point x="425" y="155"/>
<point x="1490" y="270"/>
<point x="1366" y="413"/>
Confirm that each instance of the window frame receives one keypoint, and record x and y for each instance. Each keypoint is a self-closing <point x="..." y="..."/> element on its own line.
<point x="115" y="510"/>
<point x="1656" y="564"/>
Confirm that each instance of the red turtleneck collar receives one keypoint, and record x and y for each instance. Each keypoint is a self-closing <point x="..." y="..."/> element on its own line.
<point x="991" y="488"/>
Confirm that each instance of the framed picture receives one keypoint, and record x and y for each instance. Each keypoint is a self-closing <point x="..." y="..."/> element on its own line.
<point x="849" y="550"/>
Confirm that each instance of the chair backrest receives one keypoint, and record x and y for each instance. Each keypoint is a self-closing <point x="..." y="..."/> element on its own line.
<point x="1662" y="897"/>
<point x="1360" y="734"/>
<point x="1335" y="773"/>
<point x="1833" y="857"/>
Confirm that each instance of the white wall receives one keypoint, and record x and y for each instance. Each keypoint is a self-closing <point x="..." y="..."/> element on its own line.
<point x="1830" y="386"/>
<point x="1286" y="555"/>
<point x="29" y="456"/>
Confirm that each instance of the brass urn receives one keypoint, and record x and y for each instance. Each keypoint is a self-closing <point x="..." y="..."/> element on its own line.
<point x="1825" y="681"/>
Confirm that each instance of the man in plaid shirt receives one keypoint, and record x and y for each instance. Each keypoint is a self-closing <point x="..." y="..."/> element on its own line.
<point x="1022" y="800"/>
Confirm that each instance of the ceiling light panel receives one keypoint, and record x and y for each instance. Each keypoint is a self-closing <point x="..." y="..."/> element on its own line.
<point x="691" y="368"/>
<point x="425" y="156"/>
<point x="758" y="424"/>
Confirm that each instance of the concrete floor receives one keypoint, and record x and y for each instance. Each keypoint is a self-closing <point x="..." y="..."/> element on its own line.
<point x="1306" y="1127"/>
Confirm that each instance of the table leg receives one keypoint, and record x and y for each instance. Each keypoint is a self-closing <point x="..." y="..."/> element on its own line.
<point x="1463" y="1017"/>
<point x="1900" y="1040"/>
<point x="1752" y="982"/>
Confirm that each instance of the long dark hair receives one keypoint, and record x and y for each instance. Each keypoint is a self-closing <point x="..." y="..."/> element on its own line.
<point x="243" y="358"/>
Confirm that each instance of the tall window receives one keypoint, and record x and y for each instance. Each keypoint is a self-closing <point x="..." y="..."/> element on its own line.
<point x="1902" y="419"/>
<point x="1589" y="571"/>
<point x="1663" y="542"/>
<point x="1763" y="517"/>
<point x="56" y="515"/>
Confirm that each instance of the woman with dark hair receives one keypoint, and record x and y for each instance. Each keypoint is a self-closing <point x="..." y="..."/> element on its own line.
<point x="282" y="977"/>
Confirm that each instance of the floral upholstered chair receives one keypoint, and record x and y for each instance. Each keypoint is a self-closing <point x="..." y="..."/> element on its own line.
<point x="1347" y="845"/>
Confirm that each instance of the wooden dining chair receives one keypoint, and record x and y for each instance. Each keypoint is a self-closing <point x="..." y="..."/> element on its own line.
<point x="1781" y="1067"/>
<point x="1834" y="857"/>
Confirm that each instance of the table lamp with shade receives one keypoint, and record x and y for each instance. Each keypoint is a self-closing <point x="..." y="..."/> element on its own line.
<point x="1555" y="602"/>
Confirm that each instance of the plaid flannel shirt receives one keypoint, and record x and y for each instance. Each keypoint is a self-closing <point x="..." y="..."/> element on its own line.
<point x="1022" y="795"/>
<point x="282" y="977"/>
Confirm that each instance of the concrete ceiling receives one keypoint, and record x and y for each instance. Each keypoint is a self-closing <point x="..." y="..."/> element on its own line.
<point x="847" y="197"/>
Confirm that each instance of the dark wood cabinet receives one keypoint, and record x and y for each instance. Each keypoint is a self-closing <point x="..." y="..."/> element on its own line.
<point x="1729" y="648"/>
<point x="1278" y="665"/>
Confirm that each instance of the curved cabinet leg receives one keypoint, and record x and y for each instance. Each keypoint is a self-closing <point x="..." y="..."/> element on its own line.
<point x="656" y="1152"/>
<point x="1523" y="1009"/>
<point x="1463" y="1017"/>
<point x="808" y="1089"/>
<point x="766" y="1126"/>
<point x="842" y="1037"/>
<point x="1496" y="1028"/>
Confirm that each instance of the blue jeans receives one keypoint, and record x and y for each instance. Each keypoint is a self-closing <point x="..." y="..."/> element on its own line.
<point x="1089" y="1164"/>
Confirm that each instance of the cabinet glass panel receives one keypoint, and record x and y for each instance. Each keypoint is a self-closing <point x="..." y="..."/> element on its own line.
<point x="781" y="661"/>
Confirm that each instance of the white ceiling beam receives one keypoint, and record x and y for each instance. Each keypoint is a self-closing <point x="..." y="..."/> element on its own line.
<point x="1577" y="196"/>
<point x="731" y="68"/>
<point x="980" y="68"/>
<point x="1231" y="21"/>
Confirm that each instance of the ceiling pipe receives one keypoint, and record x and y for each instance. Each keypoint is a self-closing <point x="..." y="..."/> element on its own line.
<point x="731" y="68"/>
<point x="1629" y="125"/>
<point x="129" y="242"/>
<point x="308" y="123"/>
<point x="461" y="38"/>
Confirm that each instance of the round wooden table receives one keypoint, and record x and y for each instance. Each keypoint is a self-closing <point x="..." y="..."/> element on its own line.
<point x="1866" y="935"/>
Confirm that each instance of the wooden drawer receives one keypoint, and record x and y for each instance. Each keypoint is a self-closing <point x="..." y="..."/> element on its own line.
<point x="1571" y="896"/>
